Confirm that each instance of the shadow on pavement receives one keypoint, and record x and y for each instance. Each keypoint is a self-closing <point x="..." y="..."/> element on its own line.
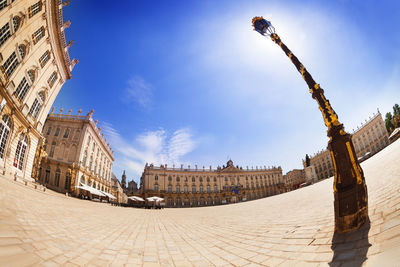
<point x="351" y="248"/>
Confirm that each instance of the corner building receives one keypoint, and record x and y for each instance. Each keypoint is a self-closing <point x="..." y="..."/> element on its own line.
<point x="34" y="63"/>
<point x="369" y="138"/>
<point x="204" y="187"/>
<point x="78" y="155"/>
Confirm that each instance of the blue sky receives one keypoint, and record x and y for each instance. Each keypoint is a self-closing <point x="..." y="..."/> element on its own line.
<point x="189" y="82"/>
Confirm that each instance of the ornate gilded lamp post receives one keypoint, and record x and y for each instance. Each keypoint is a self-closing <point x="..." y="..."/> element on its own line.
<point x="350" y="190"/>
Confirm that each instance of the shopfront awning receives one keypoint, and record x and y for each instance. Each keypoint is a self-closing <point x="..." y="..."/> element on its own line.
<point x="109" y="195"/>
<point x="90" y="189"/>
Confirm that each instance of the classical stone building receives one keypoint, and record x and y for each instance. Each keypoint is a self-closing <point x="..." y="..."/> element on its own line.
<point x="370" y="138"/>
<point x="117" y="190"/>
<point x="78" y="155"/>
<point x="294" y="178"/>
<point x="34" y="63"/>
<point x="181" y="187"/>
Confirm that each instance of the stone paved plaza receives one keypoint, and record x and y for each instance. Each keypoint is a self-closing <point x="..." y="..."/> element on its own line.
<point x="292" y="229"/>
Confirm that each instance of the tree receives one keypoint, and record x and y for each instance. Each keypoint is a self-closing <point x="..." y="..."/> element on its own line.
<point x="388" y="122"/>
<point x="396" y="110"/>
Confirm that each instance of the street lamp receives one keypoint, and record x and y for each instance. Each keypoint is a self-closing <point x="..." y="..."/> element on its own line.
<point x="350" y="190"/>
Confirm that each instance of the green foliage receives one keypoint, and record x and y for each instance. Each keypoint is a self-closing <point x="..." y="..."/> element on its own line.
<point x="389" y="122"/>
<point x="396" y="110"/>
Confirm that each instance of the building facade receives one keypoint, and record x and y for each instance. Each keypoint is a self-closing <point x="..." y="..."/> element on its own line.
<point x="370" y="138"/>
<point x="34" y="63"/>
<point x="202" y="187"/>
<point x="294" y="178"/>
<point x="78" y="155"/>
<point x="117" y="190"/>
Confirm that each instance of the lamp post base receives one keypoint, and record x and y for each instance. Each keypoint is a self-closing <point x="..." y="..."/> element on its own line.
<point x="350" y="221"/>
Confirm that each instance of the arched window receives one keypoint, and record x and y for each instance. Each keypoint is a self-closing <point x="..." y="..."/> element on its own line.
<point x="156" y="178"/>
<point x="201" y="189"/>
<point x="20" y="152"/>
<point x="215" y="179"/>
<point x="208" y="179"/>
<point x="178" y="179"/>
<point x="169" y="178"/>
<point x="178" y="189"/>
<point x="57" y="177"/>
<point x="201" y="179"/>
<point x="16" y="22"/>
<point x="193" y="179"/>
<point x="5" y="127"/>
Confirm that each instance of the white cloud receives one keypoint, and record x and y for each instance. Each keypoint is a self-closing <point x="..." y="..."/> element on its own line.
<point x="139" y="91"/>
<point x="155" y="147"/>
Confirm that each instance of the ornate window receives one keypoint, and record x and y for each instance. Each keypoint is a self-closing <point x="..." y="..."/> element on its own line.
<point x="208" y="179"/>
<point x="215" y="188"/>
<point x="57" y="133"/>
<point x="48" y="131"/>
<point x="37" y="35"/>
<point x="5" y="33"/>
<point x="156" y="178"/>
<point x="5" y="127"/>
<point x="178" y="189"/>
<point x="170" y="189"/>
<point x="201" y="179"/>
<point x="57" y="177"/>
<point x="37" y="105"/>
<point x="34" y="9"/>
<point x="193" y="189"/>
<point x="215" y="179"/>
<point x="66" y="133"/>
<point x="156" y="187"/>
<point x="193" y="179"/>
<point x="44" y="58"/>
<point x="53" y="78"/>
<point x="31" y="75"/>
<point x="10" y="64"/>
<point x="185" y="188"/>
<point x="178" y="179"/>
<point x="20" y="152"/>
<point x="22" y="89"/>
<point x="208" y="189"/>
<point x="91" y="162"/>
<point x="201" y="189"/>
<point x="169" y="178"/>
<point x="16" y="23"/>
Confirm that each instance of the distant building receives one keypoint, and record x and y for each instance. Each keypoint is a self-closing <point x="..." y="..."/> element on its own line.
<point x="186" y="187"/>
<point x="117" y="190"/>
<point x="78" y="155"/>
<point x="35" y="63"/>
<point x="368" y="140"/>
<point x="294" y="178"/>
<point x="132" y="188"/>
<point x="123" y="180"/>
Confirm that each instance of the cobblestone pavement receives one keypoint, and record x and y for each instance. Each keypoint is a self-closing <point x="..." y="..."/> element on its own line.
<point x="292" y="229"/>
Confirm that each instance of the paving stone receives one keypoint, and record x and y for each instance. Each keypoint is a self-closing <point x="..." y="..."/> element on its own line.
<point x="291" y="229"/>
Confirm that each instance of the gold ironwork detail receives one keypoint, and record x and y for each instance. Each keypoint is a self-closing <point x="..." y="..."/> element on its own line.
<point x="353" y="162"/>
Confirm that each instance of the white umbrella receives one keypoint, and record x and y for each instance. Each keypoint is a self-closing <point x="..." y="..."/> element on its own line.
<point x="135" y="198"/>
<point x="156" y="199"/>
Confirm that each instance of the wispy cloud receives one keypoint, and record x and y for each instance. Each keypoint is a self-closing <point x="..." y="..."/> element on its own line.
<point x="139" y="92"/>
<point x="157" y="147"/>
